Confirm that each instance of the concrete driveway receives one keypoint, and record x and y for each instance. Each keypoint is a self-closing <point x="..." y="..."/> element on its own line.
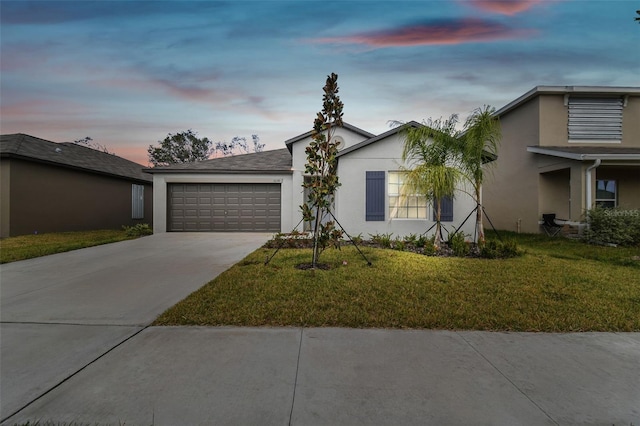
<point x="61" y="312"/>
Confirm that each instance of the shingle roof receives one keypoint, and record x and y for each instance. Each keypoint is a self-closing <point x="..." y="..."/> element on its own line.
<point x="265" y="162"/>
<point x="588" y="152"/>
<point x="69" y="155"/>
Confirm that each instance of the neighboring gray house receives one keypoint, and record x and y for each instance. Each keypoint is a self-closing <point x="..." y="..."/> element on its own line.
<point x="55" y="187"/>
<point x="263" y="192"/>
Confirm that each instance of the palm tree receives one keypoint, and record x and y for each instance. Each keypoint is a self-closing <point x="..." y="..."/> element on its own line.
<point x="478" y="147"/>
<point x="428" y="154"/>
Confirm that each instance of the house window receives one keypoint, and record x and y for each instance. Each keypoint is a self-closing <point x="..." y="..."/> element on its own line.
<point x="403" y="205"/>
<point x="137" y="201"/>
<point x="606" y="193"/>
<point x="374" y="196"/>
<point x="446" y="210"/>
<point x="595" y="119"/>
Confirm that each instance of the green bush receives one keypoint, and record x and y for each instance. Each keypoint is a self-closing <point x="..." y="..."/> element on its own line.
<point x="399" y="244"/>
<point x="430" y="246"/>
<point x="138" y="230"/>
<point x="493" y="249"/>
<point x="384" y="240"/>
<point x="458" y="245"/>
<point x="613" y="226"/>
<point x="421" y="241"/>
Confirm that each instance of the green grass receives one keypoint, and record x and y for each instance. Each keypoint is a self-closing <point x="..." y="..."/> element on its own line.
<point x="30" y="246"/>
<point x="558" y="285"/>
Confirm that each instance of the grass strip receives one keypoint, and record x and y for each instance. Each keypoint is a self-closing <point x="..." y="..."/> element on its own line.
<point x="557" y="286"/>
<point x="29" y="246"/>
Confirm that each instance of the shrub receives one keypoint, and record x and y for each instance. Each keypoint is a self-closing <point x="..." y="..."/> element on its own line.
<point x="493" y="249"/>
<point x="384" y="240"/>
<point x="430" y="246"/>
<point x="138" y="230"/>
<point x="421" y="241"/>
<point x="411" y="239"/>
<point x="613" y="226"/>
<point x="458" y="245"/>
<point x="399" y="244"/>
<point x="357" y="239"/>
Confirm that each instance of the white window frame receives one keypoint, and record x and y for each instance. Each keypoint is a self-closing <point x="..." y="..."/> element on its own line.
<point x="602" y="201"/>
<point x="404" y="206"/>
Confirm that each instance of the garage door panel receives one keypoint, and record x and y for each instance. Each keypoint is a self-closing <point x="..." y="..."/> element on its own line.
<point x="224" y="207"/>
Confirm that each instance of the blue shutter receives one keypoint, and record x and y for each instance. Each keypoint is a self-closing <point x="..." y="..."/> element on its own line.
<point x="446" y="210"/>
<point x="375" y="196"/>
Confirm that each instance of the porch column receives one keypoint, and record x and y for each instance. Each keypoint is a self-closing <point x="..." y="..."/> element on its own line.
<point x="577" y="192"/>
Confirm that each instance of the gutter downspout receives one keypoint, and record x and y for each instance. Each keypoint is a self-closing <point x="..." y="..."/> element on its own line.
<point x="588" y="183"/>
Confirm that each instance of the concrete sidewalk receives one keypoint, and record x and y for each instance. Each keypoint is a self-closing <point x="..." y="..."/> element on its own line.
<point x="328" y="376"/>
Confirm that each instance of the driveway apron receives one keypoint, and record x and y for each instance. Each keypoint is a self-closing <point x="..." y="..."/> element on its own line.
<point x="60" y="313"/>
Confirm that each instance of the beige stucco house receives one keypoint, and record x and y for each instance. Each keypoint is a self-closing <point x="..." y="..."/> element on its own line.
<point x="565" y="149"/>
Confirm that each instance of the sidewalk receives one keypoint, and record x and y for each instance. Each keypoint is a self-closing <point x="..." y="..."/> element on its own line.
<point x="329" y="376"/>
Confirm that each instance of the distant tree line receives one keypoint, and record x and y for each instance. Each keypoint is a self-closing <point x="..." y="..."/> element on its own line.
<point x="187" y="147"/>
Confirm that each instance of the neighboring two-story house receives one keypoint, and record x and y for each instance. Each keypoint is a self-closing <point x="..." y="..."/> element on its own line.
<point x="565" y="149"/>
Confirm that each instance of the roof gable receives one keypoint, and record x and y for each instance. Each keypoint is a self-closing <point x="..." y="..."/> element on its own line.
<point x="70" y="155"/>
<point x="381" y="136"/>
<point x="357" y="130"/>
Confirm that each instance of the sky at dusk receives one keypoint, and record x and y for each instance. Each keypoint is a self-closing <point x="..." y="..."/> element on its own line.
<point x="127" y="73"/>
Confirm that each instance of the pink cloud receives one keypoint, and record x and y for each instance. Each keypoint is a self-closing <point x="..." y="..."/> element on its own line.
<point x="505" y="7"/>
<point x="435" y="33"/>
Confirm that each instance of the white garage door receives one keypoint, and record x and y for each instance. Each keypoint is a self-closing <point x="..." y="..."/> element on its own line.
<point x="217" y="207"/>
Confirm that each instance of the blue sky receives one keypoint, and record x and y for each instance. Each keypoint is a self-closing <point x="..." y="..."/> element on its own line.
<point x="127" y="73"/>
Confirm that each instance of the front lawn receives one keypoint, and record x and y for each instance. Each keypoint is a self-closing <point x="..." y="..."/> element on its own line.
<point x="36" y="245"/>
<point x="558" y="285"/>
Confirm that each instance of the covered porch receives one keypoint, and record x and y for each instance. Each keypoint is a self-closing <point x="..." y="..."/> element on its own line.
<point x="574" y="179"/>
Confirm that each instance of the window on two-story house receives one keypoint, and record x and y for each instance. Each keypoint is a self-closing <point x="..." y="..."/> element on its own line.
<point x="595" y="119"/>
<point x="606" y="193"/>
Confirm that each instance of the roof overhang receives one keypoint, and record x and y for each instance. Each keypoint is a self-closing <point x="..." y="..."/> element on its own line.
<point x="587" y="154"/>
<point x="568" y="90"/>
<point x="160" y="170"/>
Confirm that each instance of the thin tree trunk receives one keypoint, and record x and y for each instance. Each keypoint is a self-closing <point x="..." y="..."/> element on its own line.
<point x="479" y="225"/>
<point x="314" y="261"/>
<point x="438" y="237"/>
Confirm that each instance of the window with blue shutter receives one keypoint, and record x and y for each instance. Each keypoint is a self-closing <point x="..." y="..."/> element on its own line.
<point x="446" y="210"/>
<point x="375" y="196"/>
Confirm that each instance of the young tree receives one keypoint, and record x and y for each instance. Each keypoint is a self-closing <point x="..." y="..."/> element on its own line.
<point x="322" y="166"/>
<point x="182" y="147"/>
<point x="477" y="149"/>
<point x="429" y="152"/>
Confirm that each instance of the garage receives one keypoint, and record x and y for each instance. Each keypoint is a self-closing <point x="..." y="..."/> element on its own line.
<point x="224" y="207"/>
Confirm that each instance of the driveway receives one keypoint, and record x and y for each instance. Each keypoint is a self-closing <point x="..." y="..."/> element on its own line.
<point x="61" y="312"/>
